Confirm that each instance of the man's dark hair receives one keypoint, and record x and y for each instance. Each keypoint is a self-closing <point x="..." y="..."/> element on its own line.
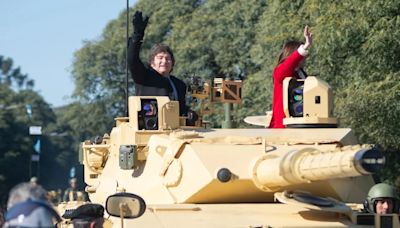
<point x="158" y="48"/>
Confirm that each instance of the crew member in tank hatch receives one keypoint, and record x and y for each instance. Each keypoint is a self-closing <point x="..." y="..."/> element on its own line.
<point x="73" y="193"/>
<point x="382" y="199"/>
<point x="290" y="64"/>
<point x="156" y="79"/>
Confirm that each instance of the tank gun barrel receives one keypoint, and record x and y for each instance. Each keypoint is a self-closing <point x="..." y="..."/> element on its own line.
<point x="273" y="171"/>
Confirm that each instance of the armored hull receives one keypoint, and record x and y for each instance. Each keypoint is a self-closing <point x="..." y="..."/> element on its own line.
<point x="198" y="177"/>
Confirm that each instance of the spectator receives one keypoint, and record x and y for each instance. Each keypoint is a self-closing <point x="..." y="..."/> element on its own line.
<point x="72" y="193"/>
<point x="34" y="180"/>
<point x="28" y="207"/>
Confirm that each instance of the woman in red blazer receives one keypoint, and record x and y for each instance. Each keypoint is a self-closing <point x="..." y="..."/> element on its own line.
<point x="290" y="64"/>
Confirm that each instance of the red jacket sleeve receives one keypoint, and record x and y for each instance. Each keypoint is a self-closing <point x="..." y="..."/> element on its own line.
<point x="288" y="66"/>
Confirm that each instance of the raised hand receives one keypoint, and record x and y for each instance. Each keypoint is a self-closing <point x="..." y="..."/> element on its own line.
<point x="139" y="22"/>
<point x="307" y="37"/>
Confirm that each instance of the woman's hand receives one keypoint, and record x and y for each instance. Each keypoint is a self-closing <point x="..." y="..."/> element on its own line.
<point x="308" y="37"/>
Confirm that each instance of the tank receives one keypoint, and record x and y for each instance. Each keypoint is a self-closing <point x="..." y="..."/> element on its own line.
<point x="310" y="174"/>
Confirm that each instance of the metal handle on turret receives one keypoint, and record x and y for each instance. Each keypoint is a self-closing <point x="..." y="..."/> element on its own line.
<point x="273" y="171"/>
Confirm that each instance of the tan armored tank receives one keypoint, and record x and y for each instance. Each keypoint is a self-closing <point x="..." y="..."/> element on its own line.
<point x="309" y="175"/>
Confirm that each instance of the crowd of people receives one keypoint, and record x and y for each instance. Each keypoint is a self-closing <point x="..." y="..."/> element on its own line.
<point x="30" y="205"/>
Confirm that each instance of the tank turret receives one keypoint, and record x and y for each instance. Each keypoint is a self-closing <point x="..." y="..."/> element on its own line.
<point x="308" y="103"/>
<point x="202" y="177"/>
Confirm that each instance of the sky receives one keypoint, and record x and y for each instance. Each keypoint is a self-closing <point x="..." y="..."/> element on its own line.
<point x="41" y="37"/>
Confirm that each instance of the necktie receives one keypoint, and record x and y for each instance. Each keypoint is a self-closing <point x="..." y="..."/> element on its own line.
<point x="174" y="91"/>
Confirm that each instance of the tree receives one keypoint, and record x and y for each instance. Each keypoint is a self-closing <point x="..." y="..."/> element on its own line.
<point x="16" y="145"/>
<point x="206" y="48"/>
<point x="12" y="76"/>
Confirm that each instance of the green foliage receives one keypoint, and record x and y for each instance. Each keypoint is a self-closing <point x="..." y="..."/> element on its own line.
<point x="374" y="114"/>
<point x="205" y="44"/>
<point x="372" y="109"/>
<point x="58" y="143"/>
<point x="11" y="76"/>
<point x="215" y="41"/>
<point x="16" y="145"/>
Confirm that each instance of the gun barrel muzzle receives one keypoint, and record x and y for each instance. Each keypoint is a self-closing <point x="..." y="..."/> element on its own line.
<point x="309" y="164"/>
